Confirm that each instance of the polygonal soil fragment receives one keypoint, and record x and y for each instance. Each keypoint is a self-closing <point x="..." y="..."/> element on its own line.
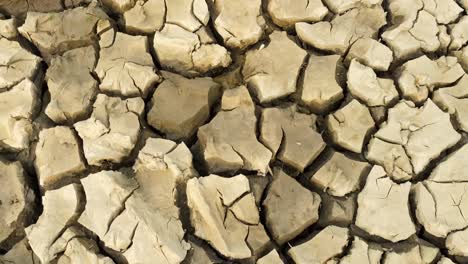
<point x="8" y="27"/>
<point x="189" y="53"/>
<point x="271" y="71"/>
<point x="322" y="82"/>
<point x="271" y="258"/>
<point x="126" y="68"/>
<point x="127" y="214"/>
<point x="323" y="247"/>
<point x="20" y="7"/>
<point x="71" y="85"/>
<point x="424" y="133"/>
<point x="441" y="206"/>
<point x="457" y="243"/>
<point x="76" y="248"/>
<point x="364" y="85"/>
<point x="415" y="25"/>
<point x="340" y="175"/>
<point x="239" y="23"/>
<point x="58" y="156"/>
<point x="145" y="17"/>
<point x="17" y="108"/>
<point x="290" y="208"/>
<point x="286" y="13"/>
<point x="343" y="30"/>
<point x="199" y="254"/>
<point x="383" y="208"/>
<point x="181" y="105"/>
<point x="291" y="136"/>
<point x="21" y="253"/>
<point x="392" y="157"/>
<point x="16" y="203"/>
<point x="408" y="252"/>
<point x="118" y="6"/>
<point x="16" y="64"/>
<point x="454" y="100"/>
<point x="337" y="210"/>
<point x="55" y="33"/>
<point x="371" y="53"/>
<point x="61" y="208"/>
<point x="342" y="6"/>
<point x="223" y="212"/>
<point x="350" y="125"/>
<point x="418" y="77"/>
<point x="189" y="14"/>
<point x="458" y="34"/>
<point x="224" y="146"/>
<point x="111" y="132"/>
<point x="362" y="252"/>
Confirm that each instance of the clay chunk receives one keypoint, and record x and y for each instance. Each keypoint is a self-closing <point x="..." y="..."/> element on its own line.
<point x="454" y="100"/>
<point x="364" y="85"/>
<point x="322" y="83"/>
<point x="350" y="125"/>
<point x="71" y="85"/>
<point x="291" y="136"/>
<point x="16" y="64"/>
<point x="412" y="251"/>
<point x="418" y="77"/>
<point x="229" y="141"/>
<point x="383" y="208"/>
<point x="286" y="13"/>
<point x="145" y="16"/>
<point x="363" y="252"/>
<point x="271" y="258"/>
<point x="126" y="68"/>
<point x="58" y="156"/>
<point x="194" y="100"/>
<point x="61" y="208"/>
<point x="423" y="133"/>
<point x="189" y="53"/>
<point x="290" y="208"/>
<point x="324" y="247"/>
<point x="239" y="23"/>
<point x="371" y="53"/>
<point x="342" y="6"/>
<point x="223" y="211"/>
<point x="21" y="253"/>
<point x="16" y="203"/>
<point x="111" y="132"/>
<point x="127" y="215"/>
<point x="340" y="175"/>
<point x="271" y="71"/>
<point x="18" y="106"/>
<point x="55" y="33"/>
<point x="457" y="243"/>
<point x="343" y="30"/>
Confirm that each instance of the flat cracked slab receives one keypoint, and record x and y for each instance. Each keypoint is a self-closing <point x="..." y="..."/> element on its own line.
<point x="126" y="68"/>
<point x="71" y="85"/>
<point x="16" y="203"/>
<point x="111" y="132"/>
<point x="350" y="125"/>
<point x="58" y="156"/>
<point x="195" y="99"/>
<point x="339" y="34"/>
<point x="271" y="71"/>
<point x="290" y="208"/>
<point x="323" y="247"/>
<point x="224" y="147"/>
<point x="291" y="136"/>
<point x="224" y="213"/>
<point x="383" y="208"/>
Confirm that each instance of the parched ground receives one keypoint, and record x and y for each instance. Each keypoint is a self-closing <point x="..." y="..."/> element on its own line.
<point x="233" y="131"/>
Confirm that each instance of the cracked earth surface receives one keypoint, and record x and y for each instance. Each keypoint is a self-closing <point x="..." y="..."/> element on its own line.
<point x="221" y="131"/>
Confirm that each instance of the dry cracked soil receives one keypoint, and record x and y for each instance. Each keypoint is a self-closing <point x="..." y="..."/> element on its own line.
<point x="233" y="131"/>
